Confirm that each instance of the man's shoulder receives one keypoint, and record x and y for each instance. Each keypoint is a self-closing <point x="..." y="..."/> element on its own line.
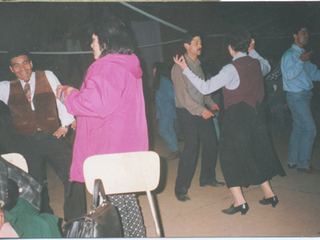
<point x="176" y="72"/>
<point x="175" y="67"/>
<point x="290" y="51"/>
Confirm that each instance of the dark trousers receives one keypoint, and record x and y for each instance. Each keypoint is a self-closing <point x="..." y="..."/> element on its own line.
<point x="46" y="148"/>
<point x="193" y="128"/>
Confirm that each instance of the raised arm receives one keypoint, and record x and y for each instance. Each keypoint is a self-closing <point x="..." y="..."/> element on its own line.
<point x="265" y="66"/>
<point x="225" y="77"/>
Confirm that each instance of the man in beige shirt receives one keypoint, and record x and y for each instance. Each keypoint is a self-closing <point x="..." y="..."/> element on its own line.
<point x="195" y="121"/>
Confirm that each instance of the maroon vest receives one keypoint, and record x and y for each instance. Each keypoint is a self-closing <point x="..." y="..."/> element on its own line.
<point x="250" y="89"/>
<point x="25" y="120"/>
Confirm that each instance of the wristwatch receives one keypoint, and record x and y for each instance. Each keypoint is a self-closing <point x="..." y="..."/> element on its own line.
<point x="64" y="126"/>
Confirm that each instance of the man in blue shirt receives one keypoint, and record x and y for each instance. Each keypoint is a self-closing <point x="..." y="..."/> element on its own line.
<point x="297" y="75"/>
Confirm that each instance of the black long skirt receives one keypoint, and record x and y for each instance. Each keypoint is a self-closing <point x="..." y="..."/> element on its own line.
<point x="247" y="154"/>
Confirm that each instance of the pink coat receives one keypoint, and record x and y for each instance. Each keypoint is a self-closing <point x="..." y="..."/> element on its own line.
<point x="110" y="111"/>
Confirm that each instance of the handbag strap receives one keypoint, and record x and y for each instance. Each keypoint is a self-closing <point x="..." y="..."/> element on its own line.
<point x="98" y="188"/>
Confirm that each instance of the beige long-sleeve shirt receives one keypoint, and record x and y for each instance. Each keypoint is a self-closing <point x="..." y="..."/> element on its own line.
<point x="186" y="95"/>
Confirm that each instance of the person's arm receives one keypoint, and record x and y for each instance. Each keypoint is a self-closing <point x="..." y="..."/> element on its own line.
<point x="65" y="118"/>
<point x="4" y="91"/>
<point x="227" y="77"/>
<point x="101" y="95"/>
<point x="265" y="66"/>
<point x="314" y="72"/>
<point x="210" y="103"/>
<point x="291" y="65"/>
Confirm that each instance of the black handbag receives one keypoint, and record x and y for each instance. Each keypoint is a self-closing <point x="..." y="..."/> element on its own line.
<point x="103" y="221"/>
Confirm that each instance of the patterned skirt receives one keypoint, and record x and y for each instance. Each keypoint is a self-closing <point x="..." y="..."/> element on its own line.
<point x="130" y="213"/>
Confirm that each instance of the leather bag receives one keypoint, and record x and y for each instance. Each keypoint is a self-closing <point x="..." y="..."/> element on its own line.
<point x="103" y="221"/>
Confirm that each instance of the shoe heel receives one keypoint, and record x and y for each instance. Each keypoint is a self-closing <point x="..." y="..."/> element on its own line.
<point x="274" y="202"/>
<point x="244" y="209"/>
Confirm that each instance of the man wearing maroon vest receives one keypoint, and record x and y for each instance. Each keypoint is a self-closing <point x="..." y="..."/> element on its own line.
<point x="40" y="125"/>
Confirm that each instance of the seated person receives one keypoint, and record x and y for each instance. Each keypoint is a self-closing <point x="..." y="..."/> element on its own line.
<point x="20" y="204"/>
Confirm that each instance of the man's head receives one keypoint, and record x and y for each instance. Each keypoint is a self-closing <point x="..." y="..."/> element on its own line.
<point x="192" y="43"/>
<point x="238" y="39"/>
<point x="20" y="63"/>
<point x="301" y="36"/>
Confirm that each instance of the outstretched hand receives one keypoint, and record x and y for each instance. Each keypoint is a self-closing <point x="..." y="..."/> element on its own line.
<point x="181" y="62"/>
<point x="305" y="56"/>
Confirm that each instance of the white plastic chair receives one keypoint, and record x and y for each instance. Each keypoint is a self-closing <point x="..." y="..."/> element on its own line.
<point x="16" y="159"/>
<point x="125" y="173"/>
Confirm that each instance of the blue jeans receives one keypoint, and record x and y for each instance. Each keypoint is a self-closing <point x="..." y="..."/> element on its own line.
<point x="304" y="129"/>
<point x="167" y="129"/>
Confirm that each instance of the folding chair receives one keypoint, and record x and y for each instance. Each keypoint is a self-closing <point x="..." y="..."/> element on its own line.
<point x="16" y="159"/>
<point x="125" y="173"/>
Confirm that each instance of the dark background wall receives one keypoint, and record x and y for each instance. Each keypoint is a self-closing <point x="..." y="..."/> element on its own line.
<point x="44" y="27"/>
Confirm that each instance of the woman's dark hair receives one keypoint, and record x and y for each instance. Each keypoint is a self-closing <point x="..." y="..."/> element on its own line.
<point x="239" y="39"/>
<point x="113" y="36"/>
<point x="161" y="70"/>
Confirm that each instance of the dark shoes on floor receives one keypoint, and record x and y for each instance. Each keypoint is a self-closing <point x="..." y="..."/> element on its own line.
<point x="310" y="169"/>
<point x="243" y="208"/>
<point x="212" y="184"/>
<point x="291" y="166"/>
<point x="183" y="197"/>
<point x="273" y="201"/>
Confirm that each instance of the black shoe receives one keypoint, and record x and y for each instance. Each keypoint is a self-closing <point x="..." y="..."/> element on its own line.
<point x="213" y="184"/>
<point x="183" y="197"/>
<point x="243" y="208"/>
<point x="273" y="200"/>
<point x="292" y="166"/>
<point x="310" y="169"/>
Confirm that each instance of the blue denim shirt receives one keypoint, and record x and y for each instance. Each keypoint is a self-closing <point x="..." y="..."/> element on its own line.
<point x="297" y="75"/>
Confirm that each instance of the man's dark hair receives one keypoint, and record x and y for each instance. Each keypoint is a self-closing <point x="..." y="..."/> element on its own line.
<point x="188" y="36"/>
<point x="113" y="36"/>
<point x="239" y="39"/>
<point x="16" y="52"/>
<point x="297" y="28"/>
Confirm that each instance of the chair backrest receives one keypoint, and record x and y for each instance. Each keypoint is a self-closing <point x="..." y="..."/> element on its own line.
<point x="123" y="172"/>
<point x="16" y="159"/>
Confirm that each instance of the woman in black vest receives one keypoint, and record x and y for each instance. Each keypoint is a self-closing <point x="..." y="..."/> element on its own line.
<point x="247" y="155"/>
